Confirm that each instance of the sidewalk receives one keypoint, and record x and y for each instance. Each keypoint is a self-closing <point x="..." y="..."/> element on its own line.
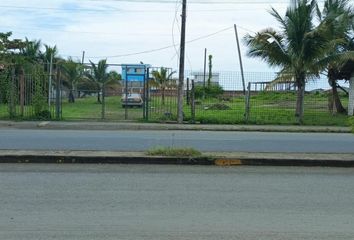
<point x="111" y="126"/>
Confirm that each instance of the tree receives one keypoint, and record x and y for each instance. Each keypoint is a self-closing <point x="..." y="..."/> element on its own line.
<point x="338" y="17"/>
<point x="162" y="79"/>
<point x="72" y="74"/>
<point x="101" y="77"/>
<point x="32" y="51"/>
<point x="300" y="48"/>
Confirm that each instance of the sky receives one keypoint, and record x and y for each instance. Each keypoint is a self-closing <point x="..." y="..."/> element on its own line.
<point x="117" y="29"/>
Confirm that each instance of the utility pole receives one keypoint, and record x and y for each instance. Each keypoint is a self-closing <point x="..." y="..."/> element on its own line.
<point x="83" y="58"/>
<point x="181" y="63"/>
<point x="50" y="81"/>
<point x="240" y="58"/>
<point x="204" y="74"/>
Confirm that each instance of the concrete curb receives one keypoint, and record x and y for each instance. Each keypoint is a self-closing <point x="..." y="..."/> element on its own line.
<point x="216" y="159"/>
<point x="110" y="126"/>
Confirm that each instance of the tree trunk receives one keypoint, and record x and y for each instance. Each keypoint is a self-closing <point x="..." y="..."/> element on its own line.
<point x="71" y="96"/>
<point x="98" y="97"/>
<point x="299" y="114"/>
<point x="351" y="96"/>
<point x="337" y="104"/>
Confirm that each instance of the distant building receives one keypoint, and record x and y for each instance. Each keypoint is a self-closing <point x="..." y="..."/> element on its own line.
<point x="199" y="78"/>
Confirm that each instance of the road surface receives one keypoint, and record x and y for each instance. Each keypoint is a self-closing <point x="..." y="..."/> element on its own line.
<point x="95" y="202"/>
<point x="202" y="140"/>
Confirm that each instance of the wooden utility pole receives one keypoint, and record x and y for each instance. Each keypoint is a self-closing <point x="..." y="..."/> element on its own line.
<point x="240" y="58"/>
<point x="204" y="73"/>
<point x="181" y="64"/>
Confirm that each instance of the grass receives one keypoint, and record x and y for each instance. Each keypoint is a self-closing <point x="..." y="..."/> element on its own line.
<point x="265" y="108"/>
<point x="174" y="152"/>
<point x="351" y="122"/>
<point x="89" y="108"/>
<point x="271" y="108"/>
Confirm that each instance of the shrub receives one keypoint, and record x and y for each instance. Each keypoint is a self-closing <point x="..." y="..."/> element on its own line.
<point x="218" y="106"/>
<point x="214" y="91"/>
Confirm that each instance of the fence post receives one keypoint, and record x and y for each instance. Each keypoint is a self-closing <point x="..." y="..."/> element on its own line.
<point x="103" y="113"/>
<point x="247" y="102"/>
<point x="188" y="98"/>
<point x="147" y="92"/>
<point x="193" y="103"/>
<point x="22" y="92"/>
<point x="12" y="106"/>
<point x="57" y="95"/>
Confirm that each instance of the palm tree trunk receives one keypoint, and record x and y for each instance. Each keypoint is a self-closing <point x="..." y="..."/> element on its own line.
<point x="299" y="114"/>
<point x="336" y="100"/>
<point x="351" y="96"/>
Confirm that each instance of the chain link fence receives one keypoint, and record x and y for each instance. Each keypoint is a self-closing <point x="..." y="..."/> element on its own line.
<point x="218" y="98"/>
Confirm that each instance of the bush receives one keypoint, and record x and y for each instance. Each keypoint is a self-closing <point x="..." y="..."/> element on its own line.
<point x="213" y="91"/>
<point x="218" y="106"/>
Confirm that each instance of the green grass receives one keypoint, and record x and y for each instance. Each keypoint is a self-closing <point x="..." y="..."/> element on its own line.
<point x="174" y="152"/>
<point x="271" y="108"/>
<point x="265" y="108"/>
<point x="89" y="108"/>
<point x="351" y="122"/>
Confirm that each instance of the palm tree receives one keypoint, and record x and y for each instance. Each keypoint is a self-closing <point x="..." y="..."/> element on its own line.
<point x="73" y="74"/>
<point x="338" y="16"/>
<point x="299" y="48"/>
<point x="162" y="79"/>
<point x="50" y="54"/>
<point x="32" y="50"/>
<point x="101" y="77"/>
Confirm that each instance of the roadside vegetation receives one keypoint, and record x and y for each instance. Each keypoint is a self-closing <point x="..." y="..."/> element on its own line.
<point x="351" y="122"/>
<point x="174" y="152"/>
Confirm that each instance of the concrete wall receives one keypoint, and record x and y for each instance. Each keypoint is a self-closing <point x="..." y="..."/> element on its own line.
<point x="351" y="97"/>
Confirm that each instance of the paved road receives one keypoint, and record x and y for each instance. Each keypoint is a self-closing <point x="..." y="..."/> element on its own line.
<point x="94" y="202"/>
<point x="204" y="141"/>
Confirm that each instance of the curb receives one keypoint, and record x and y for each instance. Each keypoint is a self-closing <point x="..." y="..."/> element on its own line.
<point x="213" y="159"/>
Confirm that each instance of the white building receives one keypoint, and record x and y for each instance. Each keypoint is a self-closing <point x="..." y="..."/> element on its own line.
<point x="199" y="78"/>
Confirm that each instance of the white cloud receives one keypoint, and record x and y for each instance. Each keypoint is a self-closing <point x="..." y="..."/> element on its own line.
<point x="106" y="28"/>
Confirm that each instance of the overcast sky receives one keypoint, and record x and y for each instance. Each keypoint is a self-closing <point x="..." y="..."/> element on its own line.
<point x="104" y="29"/>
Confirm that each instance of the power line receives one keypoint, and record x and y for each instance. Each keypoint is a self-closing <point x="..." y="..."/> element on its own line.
<point x="157" y="49"/>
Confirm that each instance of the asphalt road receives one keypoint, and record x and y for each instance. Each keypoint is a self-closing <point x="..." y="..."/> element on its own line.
<point x="95" y="202"/>
<point x="201" y="140"/>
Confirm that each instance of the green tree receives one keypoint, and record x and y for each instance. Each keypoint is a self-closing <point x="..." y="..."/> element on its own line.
<point x="32" y="51"/>
<point x="338" y="17"/>
<point x="162" y="79"/>
<point x="99" y="75"/>
<point x="300" y="48"/>
<point x="73" y="73"/>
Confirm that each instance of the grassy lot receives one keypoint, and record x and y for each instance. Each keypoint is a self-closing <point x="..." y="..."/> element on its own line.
<point x="265" y="108"/>
<point x="270" y="108"/>
<point x="89" y="108"/>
